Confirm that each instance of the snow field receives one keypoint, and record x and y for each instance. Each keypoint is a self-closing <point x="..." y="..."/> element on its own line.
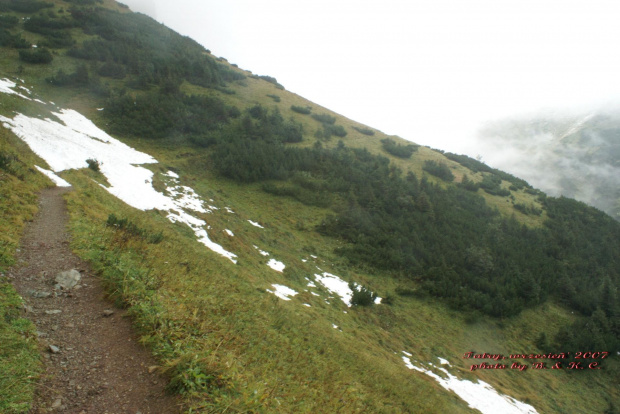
<point x="479" y="396"/>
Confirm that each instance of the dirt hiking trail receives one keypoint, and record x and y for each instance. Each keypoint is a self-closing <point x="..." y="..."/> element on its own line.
<point x="93" y="362"/>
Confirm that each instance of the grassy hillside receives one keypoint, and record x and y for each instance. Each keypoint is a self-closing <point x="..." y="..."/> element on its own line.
<point x="465" y="257"/>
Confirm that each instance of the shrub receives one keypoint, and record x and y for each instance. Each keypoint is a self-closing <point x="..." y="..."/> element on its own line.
<point x="491" y="183"/>
<point x="362" y="296"/>
<point x="14" y="41"/>
<point x="305" y="110"/>
<point x="271" y="79"/>
<point x="527" y="209"/>
<point x="27" y="6"/>
<point x="468" y="184"/>
<point x="365" y="131"/>
<point x="324" y="118"/>
<point x="438" y="169"/>
<point x="398" y="150"/>
<point x="7" y="22"/>
<point x="275" y="98"/>
<point x="37" y="56"/>
<point x="94" y="165"/>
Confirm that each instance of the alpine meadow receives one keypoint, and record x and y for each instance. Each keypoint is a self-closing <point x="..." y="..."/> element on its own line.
<point x="276" y="257"/>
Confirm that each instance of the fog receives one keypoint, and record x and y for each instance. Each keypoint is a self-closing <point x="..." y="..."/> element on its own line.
<point x="429" y="71"/>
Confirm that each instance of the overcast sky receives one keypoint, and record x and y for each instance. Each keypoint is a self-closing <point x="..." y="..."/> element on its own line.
<point x="427" y="70"/>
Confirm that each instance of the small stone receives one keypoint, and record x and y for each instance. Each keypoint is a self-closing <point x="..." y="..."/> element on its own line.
<point x="40" y="295"/>
<point x="53" y="312"/>
<point x="68" y="279"/>
<point x="152" y="368"/>
<point x="54" y="349"/>
<point x="70" y="325"/>
<point x="108" y="313"/>
<point x="57" y="403"/>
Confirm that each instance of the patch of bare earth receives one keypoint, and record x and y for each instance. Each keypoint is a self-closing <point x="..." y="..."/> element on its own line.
<point x="93" y="362"/>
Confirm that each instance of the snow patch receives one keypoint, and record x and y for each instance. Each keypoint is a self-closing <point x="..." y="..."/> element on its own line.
<point x="262" y="252"/>
<point x="336" y="286"/>
<point x="255" y="224"/>
<point x="283" y="292"/>
<point x="230" y="233"/>
<point x="56" y="179"/>
<point x="228" y="210"/>
<point x="276" y="265"/>
<point x="479" y="396"/>
<point x="68" y="146"/>
<point x="6" y="85"/>
<point x="443" y="361"/>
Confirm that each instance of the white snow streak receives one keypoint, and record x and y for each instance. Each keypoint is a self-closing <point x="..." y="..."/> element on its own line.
<point x="56" y="179"/>
<point x="283" y="292"/>
<point x="6" y="85"/>
<point x="479" y="396"/>
<point x="255" y="224"/>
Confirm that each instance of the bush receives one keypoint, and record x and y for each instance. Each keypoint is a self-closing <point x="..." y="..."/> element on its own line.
<point x="364" y="131"/>
<point x="275" y="98"/>
<point x="324" y="118"/>
<point x="37" y="56"/>
<point x="398" y="150"/>
<point x="14" y="41"/>
<point x="438" y="169"/>
<point x="491" y="183"/>
<point x="7" y="22"/>
<point x="94" y="165"/>
<point x="527" y="209"/>
<point x="26" y="6"/>
<point x="468" y="184"/>
<point x="362" y="296"/>
<point x="305" y="110"/>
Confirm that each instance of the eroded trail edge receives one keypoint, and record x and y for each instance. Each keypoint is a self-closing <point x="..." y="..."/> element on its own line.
<point x="93" y="362"/>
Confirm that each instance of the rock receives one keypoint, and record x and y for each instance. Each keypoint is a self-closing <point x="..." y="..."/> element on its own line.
<point x="108" y="313"/>
<point x="54" y="349"/>
<point x="153" y="368"/>
<point x="40" y="295"/>
<point x="57" y="403"/>
<point x="68" y="279"/>
<point x="28" y="309"/>
<point x="53" y="312"/>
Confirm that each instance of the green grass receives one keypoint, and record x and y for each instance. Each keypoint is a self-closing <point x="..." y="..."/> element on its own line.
<point x="19" y="355"/>
<point x="227" y="344"/>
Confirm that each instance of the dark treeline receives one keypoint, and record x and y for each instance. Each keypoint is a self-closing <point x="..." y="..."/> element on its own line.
<point x="448" y="240"/>
<point x="148" y="50"/>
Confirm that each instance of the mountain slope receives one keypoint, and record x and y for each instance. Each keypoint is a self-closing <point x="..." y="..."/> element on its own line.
<point x="272" y="197"/>
<point x="571" y="155"/>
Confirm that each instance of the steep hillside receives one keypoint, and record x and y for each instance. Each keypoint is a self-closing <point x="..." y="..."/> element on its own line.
<point x="278" y="257"/>
<point x="571" y="155"/>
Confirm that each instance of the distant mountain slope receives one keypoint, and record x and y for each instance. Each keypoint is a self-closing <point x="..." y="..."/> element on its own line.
<point x="577" y="156"/>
